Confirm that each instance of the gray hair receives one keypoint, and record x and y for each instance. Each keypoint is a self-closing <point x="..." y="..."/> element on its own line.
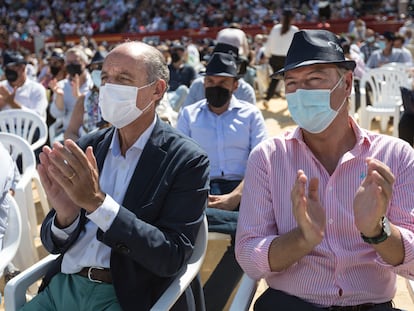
<point x="79" y="52"/>
<point x="153" y="61"/>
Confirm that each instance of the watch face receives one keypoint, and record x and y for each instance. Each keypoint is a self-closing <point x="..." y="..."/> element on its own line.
<point x="386" y="225"/>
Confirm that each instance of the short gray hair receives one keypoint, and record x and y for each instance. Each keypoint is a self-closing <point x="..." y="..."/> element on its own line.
<point x="79" y="52"/>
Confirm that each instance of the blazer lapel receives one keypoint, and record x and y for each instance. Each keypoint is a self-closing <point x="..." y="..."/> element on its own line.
<point x="147" y="168"/>
<point x="102" y="148"/>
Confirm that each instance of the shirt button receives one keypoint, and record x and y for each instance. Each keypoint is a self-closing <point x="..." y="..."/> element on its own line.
<point x="330" y="221"/>
<point x="330" y="188"/>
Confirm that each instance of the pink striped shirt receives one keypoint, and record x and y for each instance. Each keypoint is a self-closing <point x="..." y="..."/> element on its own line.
<point x="343" y="269"/>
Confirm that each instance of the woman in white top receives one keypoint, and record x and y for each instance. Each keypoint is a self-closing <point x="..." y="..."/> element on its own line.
<point x="277" y="46"/>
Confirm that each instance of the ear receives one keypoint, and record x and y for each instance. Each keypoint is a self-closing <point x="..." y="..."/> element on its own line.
<point x="235" y="84"/>
<point x="160" y="89"/>
<point x="349" y="82"/>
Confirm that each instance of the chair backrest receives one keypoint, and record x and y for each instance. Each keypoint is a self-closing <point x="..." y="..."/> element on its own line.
<point x="12" y="235"/>
<point x="26" y="124"/>
<point x="18" y="146"/>
<point x="385" y="83"/>
<point x="186" y="275"/>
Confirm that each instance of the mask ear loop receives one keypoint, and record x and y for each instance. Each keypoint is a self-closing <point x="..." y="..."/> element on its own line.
<point x="336" y="85"/>
<point x="333" y="89"/>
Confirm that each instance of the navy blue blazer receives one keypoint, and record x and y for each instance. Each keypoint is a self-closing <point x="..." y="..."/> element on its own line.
<point x="153" y="235"/>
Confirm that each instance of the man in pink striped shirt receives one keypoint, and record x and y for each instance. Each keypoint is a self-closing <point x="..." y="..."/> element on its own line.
<point x="327" y="214"/>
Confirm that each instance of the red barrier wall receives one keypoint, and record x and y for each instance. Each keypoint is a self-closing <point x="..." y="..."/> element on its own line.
<point x="336" y="26"/>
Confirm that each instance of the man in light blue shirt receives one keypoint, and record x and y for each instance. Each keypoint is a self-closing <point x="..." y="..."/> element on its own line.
<point x="227" y="129"/>
<point x="388" y="55"/>
<point x="244" y="92"/>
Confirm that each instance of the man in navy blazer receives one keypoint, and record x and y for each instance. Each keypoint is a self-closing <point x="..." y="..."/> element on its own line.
<point x="127" y="201"/>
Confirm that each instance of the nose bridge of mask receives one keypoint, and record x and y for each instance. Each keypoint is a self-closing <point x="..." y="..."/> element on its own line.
<point x="124" y="92"/>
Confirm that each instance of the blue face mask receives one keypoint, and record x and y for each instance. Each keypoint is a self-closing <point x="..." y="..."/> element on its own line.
<point x="381" y="44"/>
<point x="370" y="39"/>
<point x="311" y="109"/>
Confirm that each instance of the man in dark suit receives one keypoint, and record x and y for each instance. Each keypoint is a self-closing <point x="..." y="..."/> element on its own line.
<point x="128" y="202"/>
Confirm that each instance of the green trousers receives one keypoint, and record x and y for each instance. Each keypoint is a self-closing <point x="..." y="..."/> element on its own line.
<point x="69" y="292"/>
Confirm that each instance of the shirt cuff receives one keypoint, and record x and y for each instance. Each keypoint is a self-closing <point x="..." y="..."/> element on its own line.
<point x="406" y="268"/>
<point x="63" y="234"/>
<point x="105" y="214"/>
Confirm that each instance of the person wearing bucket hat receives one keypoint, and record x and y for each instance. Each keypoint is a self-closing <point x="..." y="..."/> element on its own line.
<point x="17" y="91"/>
<point x="244" y="92"/>
<point x="86" y="116"/>
<point x="326" y="216"/>
<point x="56" y="63"/>
<point x="53" y="68"/>
<point x="227" y="129"/>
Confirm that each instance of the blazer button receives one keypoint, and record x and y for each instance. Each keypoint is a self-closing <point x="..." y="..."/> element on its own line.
<point x="123" y="248"/>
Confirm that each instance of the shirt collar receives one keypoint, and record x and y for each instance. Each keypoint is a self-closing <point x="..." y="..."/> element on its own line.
<point x="360" y="134"/>
<point x="139" y="143"/>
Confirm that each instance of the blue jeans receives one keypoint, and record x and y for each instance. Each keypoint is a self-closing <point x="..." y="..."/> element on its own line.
<point x="220" y="220"/>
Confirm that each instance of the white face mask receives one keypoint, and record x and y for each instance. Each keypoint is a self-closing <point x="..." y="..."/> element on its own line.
<point x="311" y="109"/>
<point x="96" y="77"/>
<point x="118" y="103"/>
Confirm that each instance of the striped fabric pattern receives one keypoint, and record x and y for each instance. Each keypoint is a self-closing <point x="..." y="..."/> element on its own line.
<point x="342" y="270"/>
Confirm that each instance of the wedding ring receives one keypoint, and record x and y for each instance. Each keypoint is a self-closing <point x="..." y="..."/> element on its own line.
<point x="73" y="175"/>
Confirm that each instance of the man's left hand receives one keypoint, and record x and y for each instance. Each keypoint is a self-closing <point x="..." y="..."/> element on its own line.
<point x="373" y="197"/>
<point x="226" y="202"/>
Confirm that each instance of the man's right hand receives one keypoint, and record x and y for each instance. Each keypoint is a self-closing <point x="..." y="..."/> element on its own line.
<point x="66" y="210"/>
<point x="307" y="209"/>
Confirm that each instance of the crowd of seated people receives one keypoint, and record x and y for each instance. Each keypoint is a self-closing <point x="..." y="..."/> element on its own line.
<point x="24" y="20"/>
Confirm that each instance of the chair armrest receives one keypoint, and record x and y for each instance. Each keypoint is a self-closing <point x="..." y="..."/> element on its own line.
<point x="15" y="290"/>
<point x="245" y="293"/>
<point x="187" y="274"/>
<point x="410" y="286"/>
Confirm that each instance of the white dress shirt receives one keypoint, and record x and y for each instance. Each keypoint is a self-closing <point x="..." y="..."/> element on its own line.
<point x="114" y="178"/>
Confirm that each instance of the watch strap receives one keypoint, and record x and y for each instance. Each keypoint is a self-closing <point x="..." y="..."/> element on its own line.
<point x="379" y="238"/>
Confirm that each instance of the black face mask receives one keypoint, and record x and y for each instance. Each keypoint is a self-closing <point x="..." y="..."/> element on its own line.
<point x="217" y="96"/>
<point x="74" y="69"/>
<point x="54" y="70"/>
<point x="11" y="75"/>
<point x="175" y="57"/>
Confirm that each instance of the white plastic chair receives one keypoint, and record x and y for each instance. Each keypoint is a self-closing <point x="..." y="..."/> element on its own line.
<point x="24" y="123"/>
<point x="244" y="295"/>
<point x="15" y="290"/>
<point x="386" y="96"/>
<point x="13" y="234"/>
<point x="184" y="278"/>
<point x="410" y="286"/>
<point x="56" y="131"/>
<point x="17" y="146"/>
